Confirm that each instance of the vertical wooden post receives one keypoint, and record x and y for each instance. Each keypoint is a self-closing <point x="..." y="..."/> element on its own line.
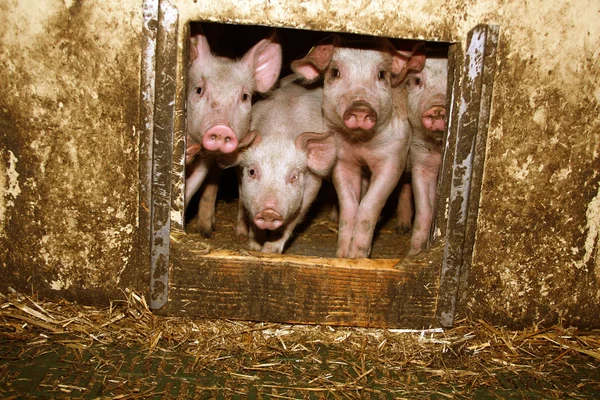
<point x="162" y="152"/>
<point x="471" y="106"/>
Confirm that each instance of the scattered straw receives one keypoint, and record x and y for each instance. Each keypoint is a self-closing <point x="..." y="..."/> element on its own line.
<point x="292" y="361"/>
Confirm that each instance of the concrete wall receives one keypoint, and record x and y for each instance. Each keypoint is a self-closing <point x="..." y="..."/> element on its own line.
<point x="69" y="95"/>
<point x="69" y="100"/>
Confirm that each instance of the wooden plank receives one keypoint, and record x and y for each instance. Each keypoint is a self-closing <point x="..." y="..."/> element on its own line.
<point x="487" y="84"/>
<point x="306" y="290"/>
<point x="438" y="229"/>
<point x="471" y="127"/>
<point x="146" y="124"/>
<point x="162" y="152"/>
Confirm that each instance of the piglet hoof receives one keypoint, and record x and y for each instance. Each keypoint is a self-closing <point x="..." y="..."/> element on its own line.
<point x="403" y="228"/>
<point x="205" y="222"/>
<point x="242" y="233"/>
<point x="206" y="233"/>
<point x="334" y="215"/>
<point x="205" y="228"/>
<point x="201" y="227"/>
<point x="241" y="230"/>
<point x="253" y="245"/>
<point x="414" y="252"/>
<point x="360" y="252"/>
<point x="272" y="247"/>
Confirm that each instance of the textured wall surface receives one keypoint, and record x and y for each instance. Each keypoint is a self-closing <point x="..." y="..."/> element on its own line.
<point x="69" y="96"/>
<point x="537" y="255"/>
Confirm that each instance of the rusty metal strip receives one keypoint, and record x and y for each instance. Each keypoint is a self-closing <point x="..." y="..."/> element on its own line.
<point x="146" y="126"/>
<point x="467" y="167"/>
<point x="164" y="119"/>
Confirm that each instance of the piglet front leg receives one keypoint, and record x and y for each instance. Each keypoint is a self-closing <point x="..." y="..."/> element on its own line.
<point x="406" y="208"/>
<point x="205" y="219"/>
<point x="424" y="183"/>
<point x="347" y="181"/>
<point x="383" y="180"/>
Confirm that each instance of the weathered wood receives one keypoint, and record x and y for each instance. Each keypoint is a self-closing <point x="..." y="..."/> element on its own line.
<point x="488" y="65"/>
<point x="162" y="153"/>
<point x="294" y="289"/>
<point x="472" y="116"/>
<point x="455" y="62"/>
<point x="146" y="126"/>
<point x="179" y="129"/>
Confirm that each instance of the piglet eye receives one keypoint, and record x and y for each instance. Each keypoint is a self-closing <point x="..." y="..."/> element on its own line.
<point x="245" y="97"/>
<point x="381" y="75"/>
<point x="252" y="173"/>
<point x="335" y="73"/>
<point x="199" y="90"/>
<point x="418" y="81"/>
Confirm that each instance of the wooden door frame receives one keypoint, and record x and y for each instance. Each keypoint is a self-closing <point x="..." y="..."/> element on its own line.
<point x="186" y="279"/>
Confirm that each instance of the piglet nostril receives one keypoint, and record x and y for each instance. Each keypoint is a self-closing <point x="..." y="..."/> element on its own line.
<point x="360" y="116"/>
<point x="220" y="138"/>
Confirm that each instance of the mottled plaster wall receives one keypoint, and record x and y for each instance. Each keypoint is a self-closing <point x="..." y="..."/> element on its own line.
<point x="69" y="90"/>
<point x="69" y="97"/>
<point x="537" y="255"/>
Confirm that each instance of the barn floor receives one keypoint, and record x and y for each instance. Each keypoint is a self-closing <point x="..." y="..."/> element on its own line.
<point x="315" y="236"/>
<point x="65" y="350"/>
<point x="124" y="351"/>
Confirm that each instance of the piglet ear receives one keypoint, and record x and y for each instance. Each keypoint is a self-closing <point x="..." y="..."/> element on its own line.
<point x="199" y="47"/>
<point x="251" y="138"/>
<point x="191" y="150"/>
<point x="317" y="59"/>
<point x="320" y="149"/>
<point x="265" y="59"/>
<point x="234" y="158"/>
<point x="405" y="62"/>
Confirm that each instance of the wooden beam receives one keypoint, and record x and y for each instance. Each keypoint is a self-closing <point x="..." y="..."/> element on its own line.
<point x="306" y="290"/>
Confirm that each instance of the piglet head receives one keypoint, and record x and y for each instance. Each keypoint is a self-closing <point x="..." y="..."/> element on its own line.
<point x="426" y="85"/>
<point x="358" y="80"/>
<point x="220" y="92"/>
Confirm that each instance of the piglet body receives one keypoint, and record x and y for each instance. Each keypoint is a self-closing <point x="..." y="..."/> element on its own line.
<point x="426" y="102"/>
<point x="365" y="108"/>
<point x="219" y="103"/>
<point x="282" y="170"/>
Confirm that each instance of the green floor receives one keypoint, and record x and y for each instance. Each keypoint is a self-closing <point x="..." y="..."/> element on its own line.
<point x="60" y="368"/>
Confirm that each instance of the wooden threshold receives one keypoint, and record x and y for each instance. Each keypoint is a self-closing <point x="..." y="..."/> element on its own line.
<point x="386" y="293"/>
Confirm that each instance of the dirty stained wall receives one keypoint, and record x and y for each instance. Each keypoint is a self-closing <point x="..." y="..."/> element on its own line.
<point x="69" y="95"/>
<point x="69" y="89"/>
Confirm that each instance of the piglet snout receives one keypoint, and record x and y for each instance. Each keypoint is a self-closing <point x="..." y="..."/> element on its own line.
<point x="434" y="119"/>
<point x="220" y="138"/>
<point x="360" y="115"/>
<point x="268" y="219"/>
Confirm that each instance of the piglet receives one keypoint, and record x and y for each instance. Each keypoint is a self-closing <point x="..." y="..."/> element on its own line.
<point x="219" y="103"/>
<point x="282" y="169"/>
<point x="425" y="87"/>
<point x="363" y="105"/>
